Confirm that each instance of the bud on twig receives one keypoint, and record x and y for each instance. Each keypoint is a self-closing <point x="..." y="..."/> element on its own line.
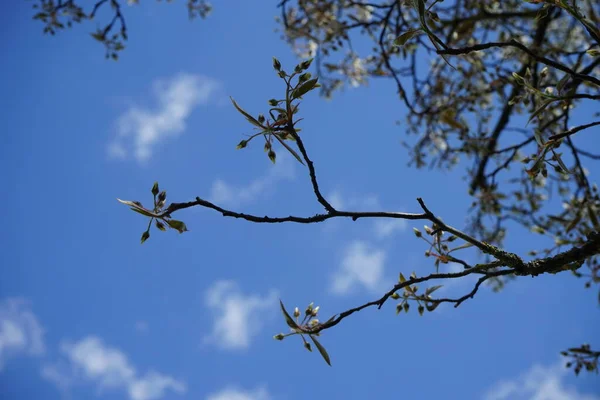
<point x="276" y="64"/>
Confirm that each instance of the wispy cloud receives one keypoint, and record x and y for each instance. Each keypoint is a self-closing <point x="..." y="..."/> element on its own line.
<point x="140" y="129"/>
<point x="20" y="331"/>
<point x="225" y="194"/>
<point x="234" y="393"/>
<point x="237" y="315"/>
<point x="387" y="227"/>
<point x="361" y="265"/>
<point x="353" y="202"/>
<point x="382" y="228"/>
<point x="108" y="368"/>
<point x="538" y="383"/>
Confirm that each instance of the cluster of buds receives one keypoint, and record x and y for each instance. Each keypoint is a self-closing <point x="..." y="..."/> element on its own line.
<point x="439" y="245"/>
<point x="158" y="214"/>
<point x="280" y="126"/>
<point x="307" y="326"/>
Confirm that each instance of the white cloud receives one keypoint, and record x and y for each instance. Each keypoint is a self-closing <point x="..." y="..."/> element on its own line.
<point x="109" y="368"/>
<point x="387" y="227"/>
<point x="141" y="129"/>
<point x="20" y="331"/>
<point x="225" y="194"/>
<point x="237" y="316"/>
<point x="153" y="386"/>
<point x="362" y="265"/>
<point x="353" y="203"/>
<point x="233" y="393"/>
<point x="538" y="383"/>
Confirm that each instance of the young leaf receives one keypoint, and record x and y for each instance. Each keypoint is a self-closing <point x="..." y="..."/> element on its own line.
<point x="560" y="162"/>
<point x="160" y="226"/>
<point x="431" y="306"/>
<point x="143" y="211"/>
<point x="462" y="246"/>
<point x="304" y="88"/>
<point x="539" y="110"/>
<point x="249" y="117"/>
<point x="406" y="36"/>
<point x="178" y="225"/>
<point x="432" y="289"/>
<point x="449" y="118"/>
<point x="289" y="149"/>
<point x="137" y="207"/>
<point x="288" y="319"/>
<point x="321" y="350"/>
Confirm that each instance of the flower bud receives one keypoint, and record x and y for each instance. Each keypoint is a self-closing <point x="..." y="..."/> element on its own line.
<point x="242" y="144"/>
<point x="518" y="79"/>
<point x="308" y="310"/>
<point x="276" y="64"/>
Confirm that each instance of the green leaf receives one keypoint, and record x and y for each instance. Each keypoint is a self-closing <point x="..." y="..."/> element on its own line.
<point x="406" y="36"/>
<point x="287" y="146"/>
<point x="431" y="306"/>
<point x="249" y="117"/>
<point x="288" y="319"/>
<point x="304" y="88"/>
<point x="420" y="6"/>
<point x="432" y="289"/>
<point x="160" y="226"/>
<point x="137" y="207"/>
<point x="462" y="246"/>
<point x="321" y="350"/>
<point x="144" y="212"/>
<point x="402" y="279"/>
<point x="98" y="36"/>
<point x="560" y="162"/>
<point x="178" y="225"/>
<point x="538" y="111"/>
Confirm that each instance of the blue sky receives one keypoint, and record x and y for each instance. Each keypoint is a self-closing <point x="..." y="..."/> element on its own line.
<point x="86" y="312"/>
